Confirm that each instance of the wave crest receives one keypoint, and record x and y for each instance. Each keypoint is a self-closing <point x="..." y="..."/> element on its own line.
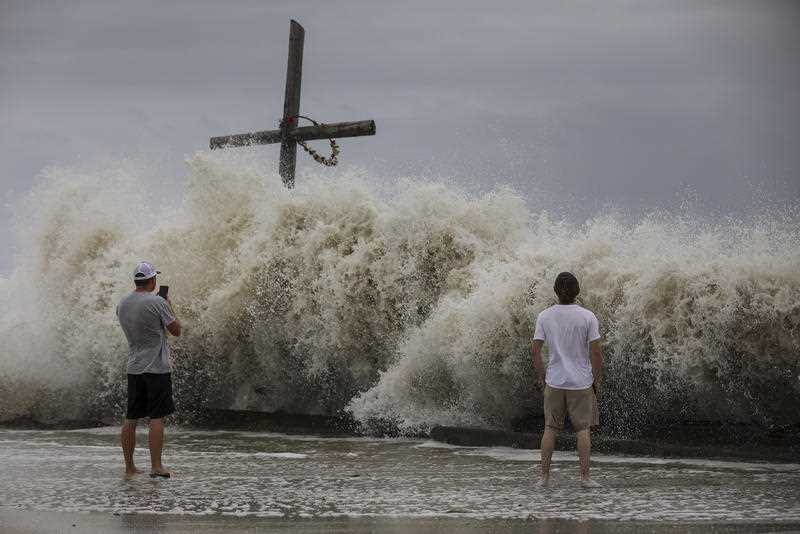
<point x="413" y="310"/>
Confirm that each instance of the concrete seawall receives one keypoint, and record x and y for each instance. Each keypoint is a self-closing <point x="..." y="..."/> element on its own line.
<point x="693" y="439"/>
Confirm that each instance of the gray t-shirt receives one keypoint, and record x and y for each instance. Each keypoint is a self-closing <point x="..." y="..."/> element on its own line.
<point x="144" y="317"/>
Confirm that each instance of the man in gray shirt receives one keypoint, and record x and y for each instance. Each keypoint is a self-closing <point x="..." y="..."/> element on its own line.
<point x="145" y="318"/>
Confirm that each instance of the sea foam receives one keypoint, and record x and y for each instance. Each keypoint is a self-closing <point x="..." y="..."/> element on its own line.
<point x="410" y="310"/>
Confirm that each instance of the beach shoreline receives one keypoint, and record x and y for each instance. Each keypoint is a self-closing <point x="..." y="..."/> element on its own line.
<point x="689" y="440"/>
<point x="19" y="521"/>
<point x="245" y="481"/>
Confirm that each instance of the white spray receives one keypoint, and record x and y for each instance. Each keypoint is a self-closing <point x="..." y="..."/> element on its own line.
<point x="414" y="310"/>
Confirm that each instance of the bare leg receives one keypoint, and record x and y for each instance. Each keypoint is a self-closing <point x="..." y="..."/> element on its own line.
<point x="156" y="442"/>
<point x="128" y="439"/>
<point x="548" y="444"/>
<point x="584" y="448"/>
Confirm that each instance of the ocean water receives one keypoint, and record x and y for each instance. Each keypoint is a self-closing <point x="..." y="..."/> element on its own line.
<point x="406" y="310"/>
<point x="305" y="477"/>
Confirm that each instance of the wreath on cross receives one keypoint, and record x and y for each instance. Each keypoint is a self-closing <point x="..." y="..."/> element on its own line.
<point x="322" y="160"/>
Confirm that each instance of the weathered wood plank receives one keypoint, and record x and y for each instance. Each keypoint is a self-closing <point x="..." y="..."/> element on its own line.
<point x="336" y="130"/>
<point x="246" y="139"/>
<point x="291" y="101"/>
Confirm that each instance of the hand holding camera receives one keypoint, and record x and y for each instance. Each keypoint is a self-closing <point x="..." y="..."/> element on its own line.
<point x="163" y="291"/>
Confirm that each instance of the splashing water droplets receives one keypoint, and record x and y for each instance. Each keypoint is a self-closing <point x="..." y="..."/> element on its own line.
<point x="414" y="309"/>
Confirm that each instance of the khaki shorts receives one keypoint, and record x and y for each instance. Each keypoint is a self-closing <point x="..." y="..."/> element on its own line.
<point x="580" y="404"/>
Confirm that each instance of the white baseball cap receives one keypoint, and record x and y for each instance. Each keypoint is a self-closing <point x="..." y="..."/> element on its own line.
<point x="144" y="271"/>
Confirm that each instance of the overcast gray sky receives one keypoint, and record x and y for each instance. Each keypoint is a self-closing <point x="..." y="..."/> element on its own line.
<point x="578" y="105"/>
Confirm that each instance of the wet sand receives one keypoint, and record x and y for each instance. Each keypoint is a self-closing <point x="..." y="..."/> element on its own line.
<point x="22" y="522"/>
<point x="244" y="481"/>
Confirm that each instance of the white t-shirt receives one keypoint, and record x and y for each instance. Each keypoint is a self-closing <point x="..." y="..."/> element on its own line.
<point x="568" y="329"/>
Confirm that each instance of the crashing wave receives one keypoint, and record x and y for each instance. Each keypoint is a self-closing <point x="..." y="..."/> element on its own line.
<point x="413" y="310"/>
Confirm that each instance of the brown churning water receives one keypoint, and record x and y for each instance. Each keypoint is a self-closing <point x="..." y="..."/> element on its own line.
<point x="415" y="309"/>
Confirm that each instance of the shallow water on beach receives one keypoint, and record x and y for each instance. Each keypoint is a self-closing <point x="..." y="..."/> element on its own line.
<point x="272" y="475"/>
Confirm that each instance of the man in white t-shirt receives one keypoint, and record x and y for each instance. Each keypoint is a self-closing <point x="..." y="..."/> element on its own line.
<point x="574" y="372"/>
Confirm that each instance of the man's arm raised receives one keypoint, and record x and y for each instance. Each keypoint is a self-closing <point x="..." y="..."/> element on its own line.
<point x="174" y="328"/>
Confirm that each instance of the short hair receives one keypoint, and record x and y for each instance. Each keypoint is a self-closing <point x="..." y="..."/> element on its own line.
<point x="142" y="283"/>
<point x="566" y="287"/>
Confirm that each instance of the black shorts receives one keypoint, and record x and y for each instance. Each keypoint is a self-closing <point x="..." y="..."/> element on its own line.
<point x="150" y="395"/>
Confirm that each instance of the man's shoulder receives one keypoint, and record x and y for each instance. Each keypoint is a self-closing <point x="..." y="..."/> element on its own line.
<point x="126" y="299"/>
<point x="589" y="314"/>
<point x="137" y="297"/>
<point x="154" y="302"/>
<point x="545" y="312"/>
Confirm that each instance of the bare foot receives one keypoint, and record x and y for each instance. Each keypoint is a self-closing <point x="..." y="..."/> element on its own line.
<point x="130" y="473"/>
<point x="162" y="472"/>
<point x="589" y="483"/>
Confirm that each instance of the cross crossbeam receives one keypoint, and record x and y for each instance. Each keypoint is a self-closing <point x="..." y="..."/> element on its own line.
<point x="303" y="133"/>
<point x="289" y="133"/>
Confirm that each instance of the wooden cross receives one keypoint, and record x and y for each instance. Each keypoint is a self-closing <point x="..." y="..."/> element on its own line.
<point x="290" y="133"/>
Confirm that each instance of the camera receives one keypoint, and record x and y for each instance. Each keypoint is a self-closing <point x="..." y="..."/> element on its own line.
<point x="162" y="291"/>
